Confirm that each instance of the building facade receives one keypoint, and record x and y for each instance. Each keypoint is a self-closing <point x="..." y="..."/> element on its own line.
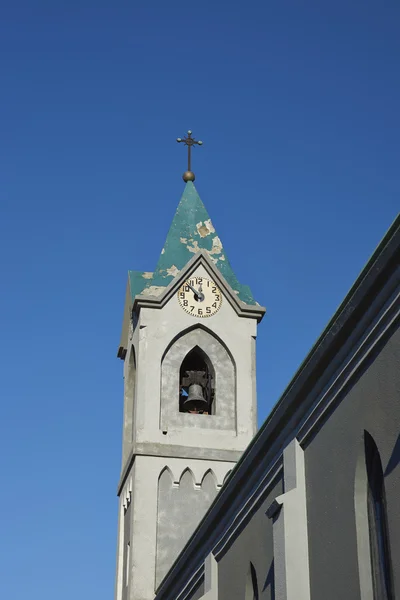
<point x="308" y="507"/>
<point x="311" y="510"/>
<point x="188" y="346"/>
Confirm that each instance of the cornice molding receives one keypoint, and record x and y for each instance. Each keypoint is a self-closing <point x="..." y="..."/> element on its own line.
<point x="175" y="451"/>
<point x="254" y="311"/>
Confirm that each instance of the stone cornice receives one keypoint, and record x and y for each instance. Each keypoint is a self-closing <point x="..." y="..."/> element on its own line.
<point x="252" y="311"/>
<point x="175" y="451"/>
<point x="201" y="258"/>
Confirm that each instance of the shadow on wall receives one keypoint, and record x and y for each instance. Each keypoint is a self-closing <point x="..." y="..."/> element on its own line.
<point x="251" y="584"/>
<point x="394" y="460"/>
<point x="373" y="543"/>
<point x="270" y="581"/>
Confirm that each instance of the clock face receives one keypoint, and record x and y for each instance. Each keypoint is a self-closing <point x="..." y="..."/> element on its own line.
<point x="200" y="297"/>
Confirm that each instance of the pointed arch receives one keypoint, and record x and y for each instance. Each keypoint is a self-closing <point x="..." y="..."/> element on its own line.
<point x="201" y="353"/>
<point x="201" y="342"/>
<point x="209" y="478"/>
<point x="129" y="402"/>
<point x="165" y="484"/>
<point x="373" y="547"/>
<point x="251" y="592"/>
<point x="187" y="482"/>
<point x="209" y="475"/>
<point x="166" y="474"/>
<point x="165" y="502"/>
<point x="201" y="327"/>
<point x="209" y="485"/>
<point x="187" y="476"/>
<point x="198" y="364"/>
<point x="226" y="476"/>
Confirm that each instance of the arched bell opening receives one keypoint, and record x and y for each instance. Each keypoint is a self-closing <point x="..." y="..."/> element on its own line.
<point x="196" y="383"/>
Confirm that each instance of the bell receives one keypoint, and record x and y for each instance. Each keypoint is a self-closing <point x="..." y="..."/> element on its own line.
<point x="195" y="400"/>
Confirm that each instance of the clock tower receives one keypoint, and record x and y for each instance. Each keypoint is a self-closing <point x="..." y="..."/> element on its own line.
<point x="188" y="347"/>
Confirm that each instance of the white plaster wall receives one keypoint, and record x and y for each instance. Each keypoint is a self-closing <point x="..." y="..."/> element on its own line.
<point x="156" y="329"/>
<point x="129" y="425"/>
<point x="120" y="552"/>
<point x="129" y="395"/>
<point x="144" y="514"/>
<point x="125" y="497"/>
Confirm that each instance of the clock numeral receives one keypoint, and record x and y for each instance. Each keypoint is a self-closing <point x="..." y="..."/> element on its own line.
<point x="185" y="303"/>
<point x="192" y="282"/>
<point x="199" y="311"/>
<point x="214" y="290"/>
<point x="182" y="295"/>
<point x="214" y="305"/>
<point x="186" y="288"/>
<point x="199" y="280"/>
<point x="208" y="283"/>
<point x="191" y="308"/>
<point x="208" y="310"/>
<point x="217" y="297"/>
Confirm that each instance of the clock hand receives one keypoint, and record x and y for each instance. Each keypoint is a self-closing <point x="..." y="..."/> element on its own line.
<point x="192" y="288"/>
<point x="198" y="294"/>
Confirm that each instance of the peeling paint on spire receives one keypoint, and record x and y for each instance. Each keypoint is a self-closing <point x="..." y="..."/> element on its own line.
<point x="191" y="231"/>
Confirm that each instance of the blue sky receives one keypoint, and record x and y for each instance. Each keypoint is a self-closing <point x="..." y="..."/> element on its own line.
<point x="298" y="107"/>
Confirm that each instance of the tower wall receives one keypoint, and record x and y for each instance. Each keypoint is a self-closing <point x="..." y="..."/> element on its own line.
<point x="155" y="333"/>
<point x="174" y="462"/>
<point x="166" y="499"/>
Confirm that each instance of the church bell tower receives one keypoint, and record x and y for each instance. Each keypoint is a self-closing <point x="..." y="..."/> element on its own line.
<point x="188" y="347"/>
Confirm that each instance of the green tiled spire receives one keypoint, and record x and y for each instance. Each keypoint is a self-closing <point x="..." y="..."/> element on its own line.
<point x="191" y="230"/>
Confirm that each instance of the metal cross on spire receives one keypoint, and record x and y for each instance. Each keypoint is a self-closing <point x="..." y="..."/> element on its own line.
<point x="189" y="141"/>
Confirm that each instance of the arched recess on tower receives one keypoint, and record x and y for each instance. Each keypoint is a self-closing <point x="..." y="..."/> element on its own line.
<point x="129" y="402"/>
<point x="204" y="345"/>
<point x="195" y="327"/>
<point x="209" y="484"/>
<point x="179" y="510"/>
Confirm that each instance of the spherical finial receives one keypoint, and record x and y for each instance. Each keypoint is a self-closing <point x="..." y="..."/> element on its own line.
<point x="188" y="176"/>
<point x="178" y="139"/>
<point x="189" y="132"/>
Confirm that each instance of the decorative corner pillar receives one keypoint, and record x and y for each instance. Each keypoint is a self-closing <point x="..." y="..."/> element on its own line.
<point x="210" y="578"/>
<point x="289" y="514"/>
